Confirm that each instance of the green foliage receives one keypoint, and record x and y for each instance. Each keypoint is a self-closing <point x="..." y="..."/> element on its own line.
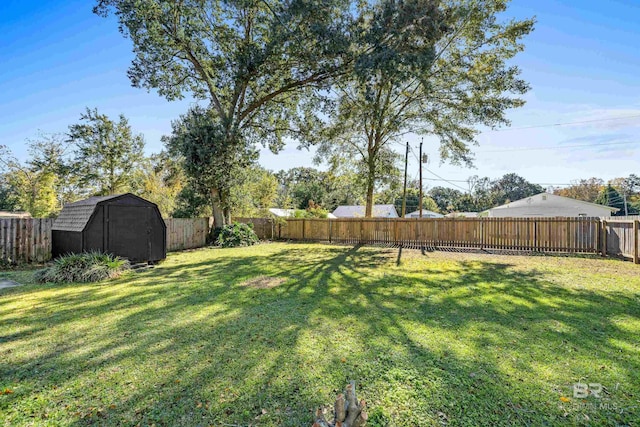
<point x="378" y="417"/>
<point x="314" y="211"/>
<point x="160" y="180"/>
<point x="583" y="189"/>
<point x="512" y="187"/>
<point x="609" y="196"/>
<point x="255" y="193"/>
<point x="213" y="163"/>
<point x="83" y="267"/>
<point x="30" y="187"/>
<point x="236" y="234"/>
<point x="298" y="186"/>
<point x="108" y="152"/>
<point x="484" y="193"/>
<point x="191" y="204"/>
<point x="8" y="194"/>
<point x="254" y="61"/>
<point x="429" y="68"/>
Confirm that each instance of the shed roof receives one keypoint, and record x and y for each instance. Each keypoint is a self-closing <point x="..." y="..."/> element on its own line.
<point x="76" y="215"/>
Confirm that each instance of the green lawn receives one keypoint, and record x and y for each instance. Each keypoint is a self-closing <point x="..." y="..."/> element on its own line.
<point x="261" y="336"/>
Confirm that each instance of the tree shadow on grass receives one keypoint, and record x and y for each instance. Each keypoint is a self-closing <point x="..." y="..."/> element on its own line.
<point x="188" y="345"/>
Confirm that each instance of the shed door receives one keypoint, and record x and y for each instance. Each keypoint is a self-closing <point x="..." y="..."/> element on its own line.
<point x="128" y="232"/>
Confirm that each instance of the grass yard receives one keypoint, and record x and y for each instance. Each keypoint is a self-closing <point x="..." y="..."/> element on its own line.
<point x="261" y="336"/>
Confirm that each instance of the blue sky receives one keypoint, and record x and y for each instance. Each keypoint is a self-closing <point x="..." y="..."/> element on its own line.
<point x="582" y="61"/>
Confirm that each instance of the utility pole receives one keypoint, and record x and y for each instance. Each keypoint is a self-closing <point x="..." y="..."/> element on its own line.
<point x="404" y="191"/>
<point x="420" y="162"/>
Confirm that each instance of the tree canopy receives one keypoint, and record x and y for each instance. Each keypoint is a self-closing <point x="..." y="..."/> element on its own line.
<point x="438" y="68"/>
<point x="107" y="153"/>
<point x="253" y="61"/>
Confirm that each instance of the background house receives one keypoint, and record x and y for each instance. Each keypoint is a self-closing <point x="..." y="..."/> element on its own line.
<point x="550" y="205"/>
<point x="283" y="213"/>
<point x="462" y="215"/>
<point x="425" y="214"/>
<point x="18" y="214"/>
<point x="378" y="211"/>
<point x="289" y="213"/>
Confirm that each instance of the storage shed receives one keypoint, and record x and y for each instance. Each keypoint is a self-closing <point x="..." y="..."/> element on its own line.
<point x="124" y="225"/>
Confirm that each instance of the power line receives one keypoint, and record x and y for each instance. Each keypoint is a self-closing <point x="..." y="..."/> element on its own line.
<point x="445" y="180"/>
<point x="564" y="123"/>
<point x="557" y="147"/>
<point x="464" y="180"/>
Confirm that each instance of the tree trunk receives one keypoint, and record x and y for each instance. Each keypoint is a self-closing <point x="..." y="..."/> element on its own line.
<point x="371" y="181"/>
<point x="348" y="411"/>
<point x="219" y="217"/>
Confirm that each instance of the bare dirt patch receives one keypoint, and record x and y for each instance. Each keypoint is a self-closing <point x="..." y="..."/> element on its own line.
<point x="263" y="282"/>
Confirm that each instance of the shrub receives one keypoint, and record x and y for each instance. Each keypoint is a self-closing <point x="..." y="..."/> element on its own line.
<point x="6" y="264"/>
<point x="84" y="267"/>
<point x="236" y="234"/>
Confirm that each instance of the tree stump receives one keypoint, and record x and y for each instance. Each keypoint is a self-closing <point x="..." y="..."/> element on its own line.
<point x="347" y="411"/>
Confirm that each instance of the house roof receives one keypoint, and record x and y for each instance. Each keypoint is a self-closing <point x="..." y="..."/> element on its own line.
<point x="425" y="214"/>
<point x="462" y="215"/>
<point x="379" y="211"/>
<point x="551" y="198"/>
<point x="17" y="214"/>
<point x="76" y="215"/>
<point x="282" y="212"/>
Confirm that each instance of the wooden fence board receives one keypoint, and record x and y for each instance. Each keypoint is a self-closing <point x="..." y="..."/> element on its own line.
<point x="186" y="233"/>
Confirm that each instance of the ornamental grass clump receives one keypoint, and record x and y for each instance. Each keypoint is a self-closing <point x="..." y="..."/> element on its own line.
<point x="83" y="267"/>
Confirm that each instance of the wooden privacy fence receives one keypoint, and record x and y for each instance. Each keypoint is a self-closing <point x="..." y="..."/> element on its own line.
<point x="25" y="240"/>
<point x="580" y="235"/>
<point x="620" y="238"/>
<point x="186" y="233"/>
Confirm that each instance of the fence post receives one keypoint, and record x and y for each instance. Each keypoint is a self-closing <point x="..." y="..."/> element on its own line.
<point x="303" y="227"/>
<point x="330" y="228"/>
<point x="636" y="225"/>
<point x="395" y="231"/>
<point x="604" y="237"/>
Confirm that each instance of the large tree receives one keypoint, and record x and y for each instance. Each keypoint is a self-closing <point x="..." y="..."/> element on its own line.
<point x="583" y="189"/>
<point x="609" y="196"/>
<point x="211" y="166"/>
<point x="252" y="60"/>
<point x="438" y="68"/>
<point x="28" y="187"/>
<point x="512" y="187"/>
<point x="160" y="179"/>
<point x="107" y="152"/>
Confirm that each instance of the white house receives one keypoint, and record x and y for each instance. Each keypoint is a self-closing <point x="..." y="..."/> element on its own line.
<point x="283" y="213"/>
<point x="17" y="214"/>
<point x="378" y="211"/>
<point x="550" y="205"/>
<point x="425" y="214"/>
<point x="288" y="213"/>
<point x="462" y="215"/>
